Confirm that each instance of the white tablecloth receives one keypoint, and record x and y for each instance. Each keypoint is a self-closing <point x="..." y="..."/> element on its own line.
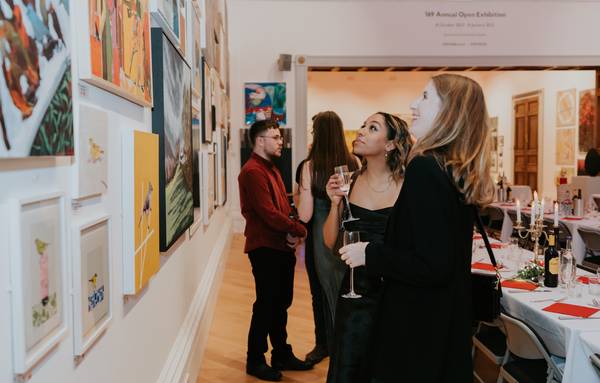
<point x="580" y="349"/>
<point x="560" y="336"/>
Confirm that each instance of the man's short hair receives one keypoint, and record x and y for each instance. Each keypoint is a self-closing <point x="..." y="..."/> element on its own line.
<point x="258" y="127"/>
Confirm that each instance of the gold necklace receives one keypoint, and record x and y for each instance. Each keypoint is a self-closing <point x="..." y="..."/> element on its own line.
<point x="375" y="190"/>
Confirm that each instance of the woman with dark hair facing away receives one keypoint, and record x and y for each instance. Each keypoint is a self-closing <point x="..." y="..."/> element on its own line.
<point x="423" y="330"/>
<point x="383" y="143"/>
<point x="328" y="151"/>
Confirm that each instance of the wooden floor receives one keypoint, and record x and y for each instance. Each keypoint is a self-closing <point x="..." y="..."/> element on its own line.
<point x="225" y="355"/>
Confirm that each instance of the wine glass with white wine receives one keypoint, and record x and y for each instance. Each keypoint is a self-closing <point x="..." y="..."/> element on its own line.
<point x="346" y="177"/>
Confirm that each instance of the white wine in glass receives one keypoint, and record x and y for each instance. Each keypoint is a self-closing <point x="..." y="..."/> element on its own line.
<point x="351" y="237"/>
<point x="346" y="176"/>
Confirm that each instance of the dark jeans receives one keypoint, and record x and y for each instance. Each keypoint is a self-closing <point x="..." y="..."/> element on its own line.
<point x="318" y="299"/>
<point x="273" y="272"/>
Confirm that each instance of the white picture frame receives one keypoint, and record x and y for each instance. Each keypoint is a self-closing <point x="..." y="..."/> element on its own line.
<point x="91" y="310"/>
<point x="91" y="167"/>
<point x="208" y="185"/>
<point x="36" y="231"/>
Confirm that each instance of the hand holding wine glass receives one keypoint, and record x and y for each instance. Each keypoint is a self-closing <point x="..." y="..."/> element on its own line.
<point x="346" y="176"/>
<point x="333" y="189"/>
<point x="349" y="238"/>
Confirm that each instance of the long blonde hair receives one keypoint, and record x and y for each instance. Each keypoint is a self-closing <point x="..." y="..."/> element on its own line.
<point x="460" y="137"/>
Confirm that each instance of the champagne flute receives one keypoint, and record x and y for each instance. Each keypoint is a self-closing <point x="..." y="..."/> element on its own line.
<point x="351" y="237"/>
<point x="346" y="175"/>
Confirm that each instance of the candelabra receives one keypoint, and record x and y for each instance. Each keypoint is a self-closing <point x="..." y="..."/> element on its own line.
<point x="534" y="232"/>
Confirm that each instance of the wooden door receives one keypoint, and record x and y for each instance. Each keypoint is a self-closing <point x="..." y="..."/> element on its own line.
<point x="526" y="142"/>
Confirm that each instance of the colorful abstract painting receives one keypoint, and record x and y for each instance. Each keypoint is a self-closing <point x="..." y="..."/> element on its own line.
<point x="587" y="120"/>
<point x="172" y="121"/>
<point x="173" y="19"/>
<point x="119" y="38"/>
<point x="91" y="263"/>
<point x="266" y="100"/>
<point x="36" y="114"/>
<point x="565" y="147"/>
<point x="92" y="155"/>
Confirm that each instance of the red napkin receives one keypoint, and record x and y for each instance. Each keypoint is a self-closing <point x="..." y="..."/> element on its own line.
<point x="526" y="208"/>
<point x="573" y="218"/>
<point x="477" y="236"/>
<point x="496" y="245"/>
<point x="482" y="266"/>
<point x="573" y="310"/>
<point x="584" y="280"/>
<point x="523" y="285"/>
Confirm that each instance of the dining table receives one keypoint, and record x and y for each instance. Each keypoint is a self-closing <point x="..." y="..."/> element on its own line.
<point x="562" y="334"/>
<point x="590" y="221"/>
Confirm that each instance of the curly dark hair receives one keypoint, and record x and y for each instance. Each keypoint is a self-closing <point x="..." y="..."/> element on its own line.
<point x="397" y="131"/>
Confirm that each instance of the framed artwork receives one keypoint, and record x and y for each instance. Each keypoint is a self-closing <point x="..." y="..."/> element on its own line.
<point x="565" y="108"/>
<point x="91" y="282"/>
<point x="37" y="264"/>
<point x="141" y="234"/>
<point x="92" y="152"/>
<point x="171" y="16"/>
<point x="36" y="107"/>
<point x="172" y="121"/>
<point x="217" y="101"/>
<point x="115" y="48"/>
<point x="208" y="185"/>
<point x="349" y="137"/>
<point x="223" y="169"/>
<point x="207" y="129"/>
<point x="196" y="55"/>
<point x="265" y="100"/>
<point x="565" y="147"/>
<point x="587" y="119"/>
<point x="196" y="146"/>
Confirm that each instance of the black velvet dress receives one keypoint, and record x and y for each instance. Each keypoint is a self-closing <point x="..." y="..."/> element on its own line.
<point x="355" y="318"/>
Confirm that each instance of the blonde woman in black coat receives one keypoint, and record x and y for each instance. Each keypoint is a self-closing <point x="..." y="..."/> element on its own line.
<point x="424" y="323"/>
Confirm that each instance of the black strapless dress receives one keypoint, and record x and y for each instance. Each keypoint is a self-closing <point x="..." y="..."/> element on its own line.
<point x="355" y="318"/>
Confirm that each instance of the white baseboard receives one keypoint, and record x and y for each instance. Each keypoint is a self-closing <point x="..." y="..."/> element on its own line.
<point x="175" y="369"/>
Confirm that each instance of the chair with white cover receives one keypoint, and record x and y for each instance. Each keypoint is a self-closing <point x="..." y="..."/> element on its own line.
<point x="591" y="239"/>
<point x="527" y="359"/>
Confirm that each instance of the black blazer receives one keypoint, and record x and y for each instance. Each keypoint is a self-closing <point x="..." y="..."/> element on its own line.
<point x="423" y="333"/>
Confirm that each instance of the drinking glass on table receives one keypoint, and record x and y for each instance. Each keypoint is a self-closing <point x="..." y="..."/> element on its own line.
<point x="346" y="177"/>
<point x="351" y="237"/>
<point x="567" y="269"/>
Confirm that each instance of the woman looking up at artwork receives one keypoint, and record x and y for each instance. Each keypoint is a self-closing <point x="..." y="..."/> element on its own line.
<point x="424" y="319"/>
<point x="383" y="143"/>
<point x="328" y="151"/>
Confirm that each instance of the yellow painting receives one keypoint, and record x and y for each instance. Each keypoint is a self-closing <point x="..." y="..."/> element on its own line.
<point x="350" y="136"/>
<point x="146" y="195"/>
<point x="565" y="108"/>
<point x="565" y="147"/>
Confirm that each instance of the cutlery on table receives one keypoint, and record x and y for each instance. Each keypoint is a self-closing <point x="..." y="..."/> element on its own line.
<point x="550" y="300"/>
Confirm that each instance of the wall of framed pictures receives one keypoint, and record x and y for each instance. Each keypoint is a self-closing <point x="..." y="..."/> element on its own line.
<point x="83" y="176"/>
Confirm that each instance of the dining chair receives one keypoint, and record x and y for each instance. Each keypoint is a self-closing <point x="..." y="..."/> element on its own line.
<point x="527" y="360"/>
<point x="563" y="232"/>
<point x="491" y="341"/>
<point x="591" y="239"/>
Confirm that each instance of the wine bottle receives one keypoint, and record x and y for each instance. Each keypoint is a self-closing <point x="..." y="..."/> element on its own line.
<point x="551" y="263"/>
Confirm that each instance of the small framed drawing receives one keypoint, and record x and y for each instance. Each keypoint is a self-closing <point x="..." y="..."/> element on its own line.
<point x="37" y="268"/>
<point x="91" y="177"/>
<point x="208" y="185"/>
<point x="91" y="282"/>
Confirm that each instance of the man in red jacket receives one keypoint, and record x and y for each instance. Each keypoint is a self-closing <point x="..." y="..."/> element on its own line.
<point x="271" y="236"/>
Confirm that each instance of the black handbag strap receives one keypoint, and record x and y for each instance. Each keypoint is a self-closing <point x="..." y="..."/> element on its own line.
<point x="485" y="237"/>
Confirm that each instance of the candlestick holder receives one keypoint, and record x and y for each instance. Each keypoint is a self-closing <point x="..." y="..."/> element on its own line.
<point x="534" y="232"/>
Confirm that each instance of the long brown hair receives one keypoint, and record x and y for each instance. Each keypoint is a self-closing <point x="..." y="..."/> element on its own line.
<point x="460" y="137"/>
<point x="328" y="150"/>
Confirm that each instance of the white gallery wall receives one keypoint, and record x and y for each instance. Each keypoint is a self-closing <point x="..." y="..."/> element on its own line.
<point x="356" y="95"/>
<point x="518" y="33"/>
<point x="155" y="336"/>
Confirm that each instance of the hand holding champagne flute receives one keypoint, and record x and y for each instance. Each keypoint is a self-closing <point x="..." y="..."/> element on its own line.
<point x="345" y="175"/>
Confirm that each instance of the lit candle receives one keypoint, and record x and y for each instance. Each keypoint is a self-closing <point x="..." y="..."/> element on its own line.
<point x="542" y="212"/>
<point x="518" y="211"/>
<point x="535" y="198"/>
<point x="555" y="214"/>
